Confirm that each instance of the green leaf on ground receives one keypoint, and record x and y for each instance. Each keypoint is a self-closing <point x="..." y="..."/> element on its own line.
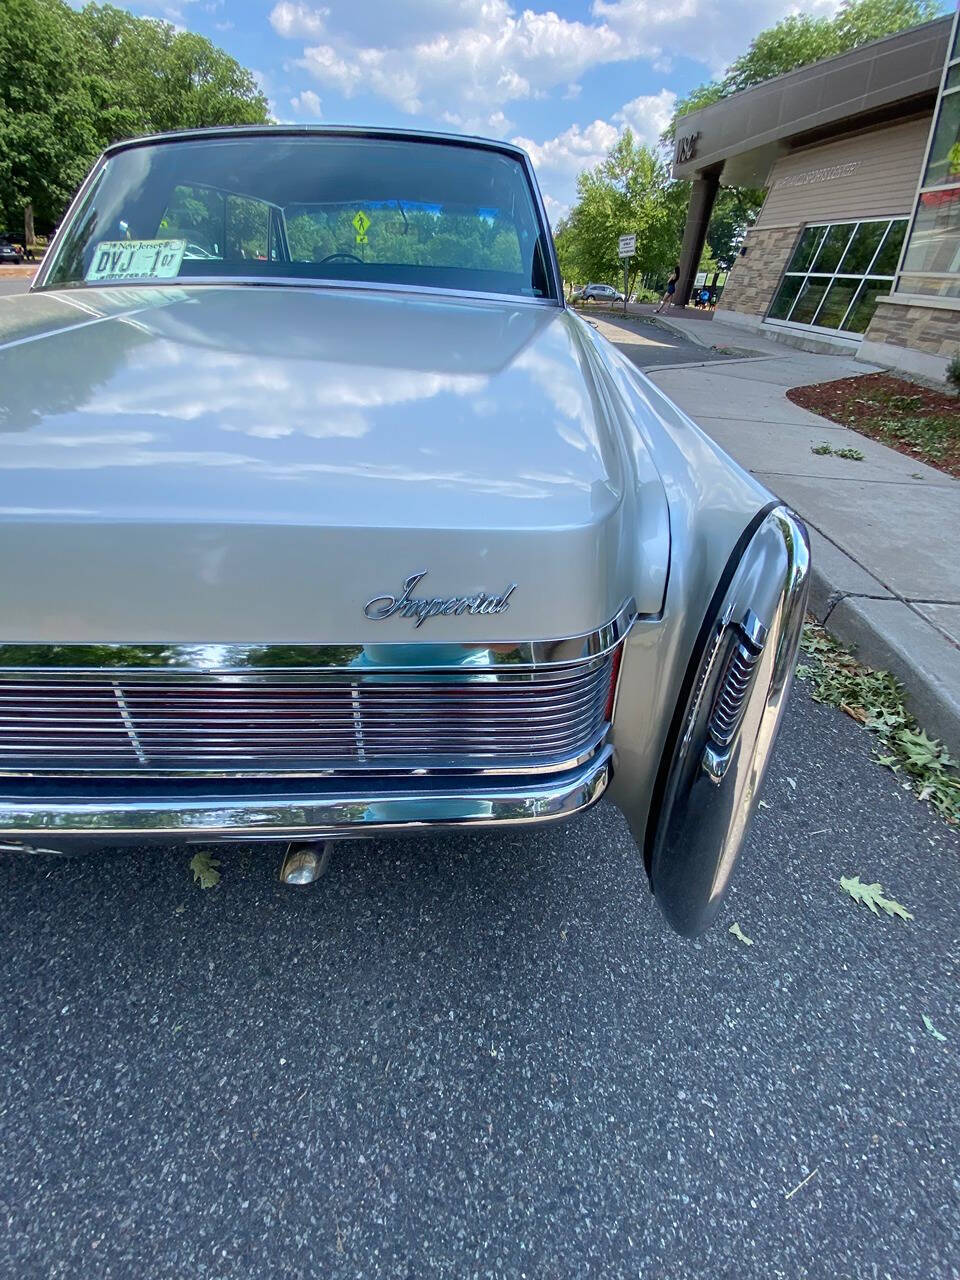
<point x="827" y="451"/>
<point x="871" y="895"/>
<point x="739" y="934"/>
<point x="937" y="1035"/>
<point x="874" y="699"/>
<point x="204" y="869"/>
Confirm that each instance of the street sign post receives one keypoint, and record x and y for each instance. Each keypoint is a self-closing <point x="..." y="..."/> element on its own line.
<point x="626" y="248"/>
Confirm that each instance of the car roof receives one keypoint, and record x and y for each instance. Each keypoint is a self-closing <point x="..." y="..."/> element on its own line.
<point x="321" y="131"/>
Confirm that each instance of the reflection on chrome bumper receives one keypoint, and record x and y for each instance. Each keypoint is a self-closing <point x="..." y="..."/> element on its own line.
<point x="338" y="807"/>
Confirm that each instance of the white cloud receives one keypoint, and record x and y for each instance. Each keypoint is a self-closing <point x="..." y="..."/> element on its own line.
<point x="556" y="209"/>
<point x="471" y="59"/>
<point x="648" y="115"/>
<point x="292" y="20"/>
<point x="494" y="57"/>
<point x="572" y="150"/>
<point x="713" y="33"/>
<point x="307" y="103"/>
<point x="558" y="160"/>
<point x="494" y="125"/>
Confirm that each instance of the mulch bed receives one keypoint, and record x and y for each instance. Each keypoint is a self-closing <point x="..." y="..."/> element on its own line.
<point x="910" y="418"/>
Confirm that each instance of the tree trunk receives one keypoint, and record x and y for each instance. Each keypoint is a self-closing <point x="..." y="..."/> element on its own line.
<point x="28" y="233"/>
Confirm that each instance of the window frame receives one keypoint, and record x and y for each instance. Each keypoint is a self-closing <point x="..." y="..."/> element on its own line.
<point x="544" y="247"/>
<point x="901" y="283"/>
<point x="830" y="277"/>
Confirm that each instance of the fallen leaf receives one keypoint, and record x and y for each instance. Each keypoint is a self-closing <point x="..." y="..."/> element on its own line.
<point x="871" y="895"/>
<point x="204" y="869"/>
<point x="792" y="784"/>
<point x="937" y="1035"/>
<point x="855" y="713"/>
<point x="739" y="934"/>
<point x="762" y="804"/>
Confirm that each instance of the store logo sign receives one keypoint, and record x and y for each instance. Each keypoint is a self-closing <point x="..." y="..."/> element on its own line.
<point x="687" y="147"/>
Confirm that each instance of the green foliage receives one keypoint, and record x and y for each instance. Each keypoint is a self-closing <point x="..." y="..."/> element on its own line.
<point x="72" y="82"/>
<point x="411" y="236"/>
<point x="871" y="895"/>
<point x="630" y="191"/>
<point x="204" y="869"/>
<point x="937" y="1035"/>
<point x="875" y="700"/>
<point x="827" y="451"/>
<point x="953" y="372"/>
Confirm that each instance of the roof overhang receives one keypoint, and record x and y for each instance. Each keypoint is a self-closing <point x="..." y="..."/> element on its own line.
<point x="741" y="137"/>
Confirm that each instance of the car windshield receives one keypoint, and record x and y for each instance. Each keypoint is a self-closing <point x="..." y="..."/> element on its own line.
<point x="360" y="209"/>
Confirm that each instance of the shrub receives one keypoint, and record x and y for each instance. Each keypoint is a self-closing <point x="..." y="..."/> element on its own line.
<point x="953" y="373"/>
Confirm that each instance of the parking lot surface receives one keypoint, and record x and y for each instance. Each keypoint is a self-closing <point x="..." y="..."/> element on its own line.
<point x="479" y="1056"/>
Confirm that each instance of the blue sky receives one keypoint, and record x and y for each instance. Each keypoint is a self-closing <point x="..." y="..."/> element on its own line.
<point x="562" y="79"/>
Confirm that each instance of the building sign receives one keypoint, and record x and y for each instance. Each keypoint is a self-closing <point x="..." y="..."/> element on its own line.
<point x="626" y="246"/>
<point x="818" y="175"/>
<point x="686" y="147"/>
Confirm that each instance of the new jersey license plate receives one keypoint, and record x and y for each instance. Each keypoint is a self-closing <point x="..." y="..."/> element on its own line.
<point x="135" y="260"/>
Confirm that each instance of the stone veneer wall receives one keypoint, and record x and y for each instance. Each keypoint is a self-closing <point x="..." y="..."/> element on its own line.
<point x="754" y="277"/>
<point x="934" y="330"/>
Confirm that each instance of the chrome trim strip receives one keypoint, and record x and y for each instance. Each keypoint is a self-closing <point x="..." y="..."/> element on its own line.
<point x="340" y="811"/>
<point x="279" y="663"/>
<point x="283" y="282"/>
<point x="293" y="768"/>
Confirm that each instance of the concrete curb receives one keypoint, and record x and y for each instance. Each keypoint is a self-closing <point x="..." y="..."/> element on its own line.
<point x="676" y="330"/>
<point x="889" y="634"/>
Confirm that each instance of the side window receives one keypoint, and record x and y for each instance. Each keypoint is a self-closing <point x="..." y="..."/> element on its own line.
<point x="195" y="214"/>
<point x="248" y="228"/>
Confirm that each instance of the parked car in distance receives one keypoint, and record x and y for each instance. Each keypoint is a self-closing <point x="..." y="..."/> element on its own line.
<point x="10" y="252"/>
<point x="601" y="293"/>
<point x="352" y="528"/>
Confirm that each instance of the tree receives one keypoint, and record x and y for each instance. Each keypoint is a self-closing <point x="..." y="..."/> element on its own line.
<point x="72" y="82"/>
<point x="48" y="133"/>
<point x="630" y="191"/>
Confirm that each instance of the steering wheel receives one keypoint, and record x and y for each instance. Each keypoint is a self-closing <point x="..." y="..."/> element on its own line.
<point x="349" y="257"/>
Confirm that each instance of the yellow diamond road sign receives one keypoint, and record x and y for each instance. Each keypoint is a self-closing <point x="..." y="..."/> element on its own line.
<point x="361" y="222"/>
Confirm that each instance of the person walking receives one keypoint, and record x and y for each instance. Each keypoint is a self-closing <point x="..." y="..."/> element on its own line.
<point x="671" y="288"/>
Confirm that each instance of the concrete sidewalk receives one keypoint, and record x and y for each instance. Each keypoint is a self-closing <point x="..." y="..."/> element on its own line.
<point x="886" y="552"/>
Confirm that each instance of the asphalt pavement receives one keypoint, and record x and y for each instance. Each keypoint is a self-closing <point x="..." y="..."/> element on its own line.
<point x="488" y="1056"/>
<point x="652" y="345"/>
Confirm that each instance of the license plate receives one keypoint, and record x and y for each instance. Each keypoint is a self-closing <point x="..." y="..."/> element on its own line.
<point x="135" y="260"/>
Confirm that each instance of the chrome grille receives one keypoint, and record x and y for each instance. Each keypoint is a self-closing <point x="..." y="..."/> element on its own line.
<point x="61" y="723"/>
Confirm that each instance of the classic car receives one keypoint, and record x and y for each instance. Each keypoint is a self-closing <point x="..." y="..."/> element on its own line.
<point x="346" y="526"/>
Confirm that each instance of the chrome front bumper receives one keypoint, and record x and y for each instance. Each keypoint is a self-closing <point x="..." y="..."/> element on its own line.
<point x="278" y="810"/>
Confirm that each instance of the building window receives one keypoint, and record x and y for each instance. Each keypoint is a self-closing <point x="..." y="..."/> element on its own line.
<point x="931" y="263"/>
<point x="837" y="272"/>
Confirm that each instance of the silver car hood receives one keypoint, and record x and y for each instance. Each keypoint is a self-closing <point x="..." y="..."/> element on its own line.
<point x="257" y="463"/>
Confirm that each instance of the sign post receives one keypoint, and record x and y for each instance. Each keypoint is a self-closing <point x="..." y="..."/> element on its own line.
<point x="626" y="248"/>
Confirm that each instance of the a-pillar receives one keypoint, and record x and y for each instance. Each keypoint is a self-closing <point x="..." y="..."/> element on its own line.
<point x="703" y="192"/>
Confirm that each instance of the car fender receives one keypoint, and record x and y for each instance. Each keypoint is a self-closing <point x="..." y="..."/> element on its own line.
<point x="715" y="511"/>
